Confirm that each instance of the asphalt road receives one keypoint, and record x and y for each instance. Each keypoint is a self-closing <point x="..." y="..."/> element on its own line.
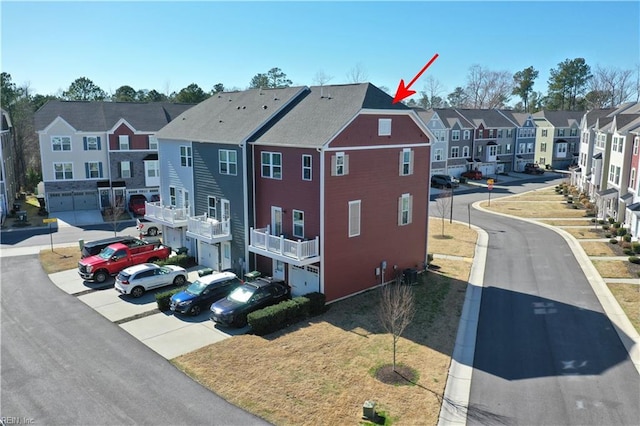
<point x="64" y="364"/>
<point x="545" y="352"/>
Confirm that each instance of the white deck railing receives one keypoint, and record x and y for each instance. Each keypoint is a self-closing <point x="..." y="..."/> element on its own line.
<point x="167" y="214"/>
<point x="209" y="228"/>
<point x="295" y="249"/>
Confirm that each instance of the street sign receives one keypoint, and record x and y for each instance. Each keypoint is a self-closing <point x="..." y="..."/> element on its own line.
<point x="50" y="220"/>
<point x="489" y="184"/>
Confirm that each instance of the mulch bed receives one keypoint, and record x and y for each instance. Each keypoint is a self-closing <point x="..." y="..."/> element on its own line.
<point x="403" y="375"/>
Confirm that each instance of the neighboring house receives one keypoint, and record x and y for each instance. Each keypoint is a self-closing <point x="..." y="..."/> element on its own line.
<point x="493" y="140"/>
<point x="205" y="190"/>
<point x="557" y="138"/>
<point x="94" y="155"/>
<point x="632" y="211"/>
<point x="341" y="191"/>
<point x="622" y="140"/>
<point x="460" y="142"/>
<point x="525" y="139"/>
<point x="581" y="175"/>
<point x="439" y="146"/>
<point x="8" y="183"/>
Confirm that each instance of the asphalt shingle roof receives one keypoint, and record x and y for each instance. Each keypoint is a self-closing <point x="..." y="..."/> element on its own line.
<point x="322" y="111"/>
<point x="560" y="118"/>
<point x="490" y="117"/>
<point x="450" y="117"/>
<point x="102" y="116"/>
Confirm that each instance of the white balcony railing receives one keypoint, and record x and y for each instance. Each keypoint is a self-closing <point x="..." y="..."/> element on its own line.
<point x="211" y="230"/>
<point x="279" y="245"/>
<point x="170" y="215"/>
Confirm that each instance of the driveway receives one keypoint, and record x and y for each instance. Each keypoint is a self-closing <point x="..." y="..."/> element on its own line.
<point x="63" y="364"/>
<point x="78" y="217"/>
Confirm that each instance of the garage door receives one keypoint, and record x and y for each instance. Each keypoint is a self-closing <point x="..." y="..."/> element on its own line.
<point x="456" y="171"/>
<point x="172" y="237"/>
<point x="488" y="169"/>
<point x="87" y="200"/>
<point x="304" y="279"/>
<point x="208" y="255"/>
<point x="60" y="202"/>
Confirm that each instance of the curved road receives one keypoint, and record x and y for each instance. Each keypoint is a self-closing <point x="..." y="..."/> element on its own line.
<point x="64" y="364"/>
<point x="545" y="351"/>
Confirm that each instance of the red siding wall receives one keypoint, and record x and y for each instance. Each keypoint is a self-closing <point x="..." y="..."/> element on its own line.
<point x="135" y="141"/>
<point x="350" y="263"/>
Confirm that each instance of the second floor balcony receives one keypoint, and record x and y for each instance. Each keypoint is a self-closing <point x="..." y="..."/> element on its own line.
<point x="171" y="216"/>
<point x="297" y="252"/>
<point x="208" y="230"/>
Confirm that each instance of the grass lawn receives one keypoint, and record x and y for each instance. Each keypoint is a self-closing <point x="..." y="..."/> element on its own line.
<point x="456" y="240"/>
<point x="60" y="259"/>
<point x="586" y="233"/>
<point x="323" y="368"/>
<point x="614" y="268"/>
<point x="628" y="296"/>
<point x="568" y="222"/>
<point x="593" y="248"/>
<point x="533" y="209"/>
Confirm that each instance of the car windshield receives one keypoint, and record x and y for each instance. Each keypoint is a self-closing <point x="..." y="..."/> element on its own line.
<point x="107" y="253"/>
<point x="196" y="288"/>
<point x="242" y="294"/>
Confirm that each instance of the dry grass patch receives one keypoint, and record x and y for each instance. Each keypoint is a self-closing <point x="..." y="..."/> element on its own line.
<point x="585" y="233"/>
<point x="540" y="209"/>
<point x="614" y="268"/>
<point x="593" y="248"/>
<point x="628" y="296"/>
<point x="459" y="239"/>
<point x="569" y="222"/>
<point x="60" y="259"/>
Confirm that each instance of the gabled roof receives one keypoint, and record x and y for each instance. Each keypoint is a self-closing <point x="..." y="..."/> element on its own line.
<point x="450" y="117"/>
<point x="627" y="122"/>
<point x="626" y="108"/>
<point x="102" y="116"/>
<point x="518" y="118"/>
<point x="230" y="117"/>
<point x="490" y="117"/>
<point x="593" y="115"/>
<point x="6" y="120"/>
<point x="561" y="118"/>
<point x="322" y="111"/>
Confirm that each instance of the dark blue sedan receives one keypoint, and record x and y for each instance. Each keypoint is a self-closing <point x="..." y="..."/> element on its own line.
<point x="203" y="292"/>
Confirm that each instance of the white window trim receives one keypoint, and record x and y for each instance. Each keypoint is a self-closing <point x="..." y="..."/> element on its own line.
<point x="153" y="141"/>
<point x="384" y="127"/>
<point x="455" y="135"/>
<point x="271" y="167"/>
<point x="299" y="223"/>
<point x="632" y="179"/>
<point x="354" y="218"/>
<point x="308" y="168"/>
<point x="92" y="143"/>
<point x="345" y="164"/>
<point x="228" y="153"/>
<point x="212" y="211"/>
<point x="465" y="151"/>
<point x="152" y="165"/>
<point x="58" y="140"/>
<point x="172" y="196"/>
<point x="89" y="163"/>
<point x="187" y="156"/>
<point x="438" y="154"/>
<point x="128" y="168"/>
<point x="406" y="164"/>
<point x="402" y="219"/>
<point x="63" y="163"/>
<point x="123" y="140"/>
<point x="466" y="134"/>
<point x="455" y="152"/>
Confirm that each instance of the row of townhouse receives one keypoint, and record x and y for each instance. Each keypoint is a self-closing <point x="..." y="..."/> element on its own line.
<point x="325" y="187"/>
<point x="501" y="141"/>
<point x="8" y="182"/>
<point x="96" y="155"/>
<point x="609" y="163"/>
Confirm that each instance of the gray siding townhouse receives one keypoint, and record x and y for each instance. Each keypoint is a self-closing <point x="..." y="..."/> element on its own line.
<point x="206" y="202"/>
<point x="439" y="146"/>
<point x="8" y="182"/>
<point x="525" y="139"/>
<point x="581" y="175"/>
<point x="557" y="145"/>
<point x="460" y="141"/>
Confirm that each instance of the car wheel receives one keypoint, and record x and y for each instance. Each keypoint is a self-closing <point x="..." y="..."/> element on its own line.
<point x="195" y="311"/>
<point x="240" y="321"/>
<point x="152" y="232"/>
<point x="137" y="291"/>
<point x="179" y="280"/>
<point x="100" y="276"/>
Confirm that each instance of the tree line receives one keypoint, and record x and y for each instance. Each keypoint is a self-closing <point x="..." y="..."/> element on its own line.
<point x="572" y="85"/>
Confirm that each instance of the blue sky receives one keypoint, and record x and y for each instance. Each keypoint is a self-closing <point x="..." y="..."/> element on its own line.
<point x="169" y="45"/>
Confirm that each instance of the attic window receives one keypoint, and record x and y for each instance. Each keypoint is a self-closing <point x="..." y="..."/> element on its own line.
<point x="384" y="127"/>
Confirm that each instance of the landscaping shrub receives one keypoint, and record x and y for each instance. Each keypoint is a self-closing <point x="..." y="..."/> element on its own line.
<point x="613" y="241"/>
<point x="163" y="298"/>
<point x="276" y="317"/>
<point x="429" y="258"/>
<point x="593" y="219"/>
<point x="628" y="252"/>
<point x="621" y="232"/>
<point x="607" y="235"/>
<point x="605" y="226"/>
<point x="627" y="238"/>
<point x="316" y="303"/>
<point x="617" y="225"/>
<point x="611" y="220"/>
<point x="183" y="260"/>
<point x="600" y="221"/>
<point x="634" y="259"/>
<point x="635" y="246"/>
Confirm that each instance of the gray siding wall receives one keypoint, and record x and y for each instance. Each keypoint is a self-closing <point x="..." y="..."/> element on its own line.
<point x="137" y="167"/>
<point x="172" y="173"/>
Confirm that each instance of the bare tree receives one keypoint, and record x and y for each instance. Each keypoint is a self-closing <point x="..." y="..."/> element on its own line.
<point x="488" y="89"/>
<point x="321" y="78"/>
<point x="609" y="87"/>
<point x="443" y="205"/>
<point x="115" y="215"/>
<point x="475" y="82"/>
<point x="396" y="311"/>
<point x="357" y="74"/>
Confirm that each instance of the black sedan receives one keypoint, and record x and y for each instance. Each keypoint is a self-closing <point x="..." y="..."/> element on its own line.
<point x="249" y="297"/>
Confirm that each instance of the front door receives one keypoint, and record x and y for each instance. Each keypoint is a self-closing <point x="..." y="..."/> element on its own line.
<point x="225" y="210"/>
<point x="226" y="255"/>
<point x="276" y="221"/>
<point x="278" y="269"/>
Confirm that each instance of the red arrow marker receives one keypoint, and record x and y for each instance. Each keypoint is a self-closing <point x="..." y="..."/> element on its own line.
<point x="403" y="91"/>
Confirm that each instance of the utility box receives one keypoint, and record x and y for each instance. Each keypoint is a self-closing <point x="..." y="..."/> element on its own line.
<point x="251" y="276"/>
<point x="369" y="410"/>
<point x="22" y="216"/>
<point x="410" y="276"/>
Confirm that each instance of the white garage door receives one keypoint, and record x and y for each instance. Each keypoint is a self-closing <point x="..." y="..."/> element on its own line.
<point x="87" y="200"/>
<point x="60" y="202"/>
<point x="208" y="255"/>
<point x="172" y="237"/>
<point x="456" y="171"/>
<point x="488" y="169"/>
<point x="304" y="279"/>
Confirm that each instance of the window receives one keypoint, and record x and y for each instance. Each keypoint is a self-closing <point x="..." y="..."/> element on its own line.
<point x="298" y="223"/>
<point x="479" y="133"/>
<point x="153" y="168"/>
<point x="91" y="143"/>
<point x="153" y="143"/>
<point x="560" y="132"/>
<point x="172" y="196"/>
<point x="125" y="169"/>
<point x="617" y="176"/>
<point x="636" y="142"/>
<point x="228" y="162"/>
<point x="491" y="133"/>
<point x="543" y="147"/>
<point x="93" y="170"/>
<point x="499" y="149"/>
<point x="384" y="127"/>
<point x="612" y="173"/>
<point x="465" y="151"/>
<point x="479" y="149"/>
<point x="618" y="143"/>
<point x="438" y="154"/>
<point x="522" y="148"/>
<point x="493" y="150"/>
<point x="271" y="165"/>
<point x="632" y="179"/>
<point x="406" y="162"/>
<point x="542" y="160"/>
<point x="530" y="147"/>
<point x="500" y="133"/>
<point x="185" y="156"/>
<point x="544" y="132"/>
<point x="306" y="167"/>
<point x="340" y="164"/>
<point x="455" y="151"/>
<point x="507" y="149"/>
<point x="63" y="171"/>
<point x="61" y="143"/>
<point x="455" y="135"/>
<point x="354" y="218"/>
<point x="404" y="209"/>
<point x="123" y="142"/>
<point x="466" y="134"/>
<point x="573" y="132"/>
<point x="211" y="207"/>
<point x="509" y="133"/>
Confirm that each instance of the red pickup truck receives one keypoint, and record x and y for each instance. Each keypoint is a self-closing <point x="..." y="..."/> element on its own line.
<point x="117" y="257"/>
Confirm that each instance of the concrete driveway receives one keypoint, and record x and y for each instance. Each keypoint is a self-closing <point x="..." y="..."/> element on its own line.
<point x="78" y="217"/>
<point x="167" y="334"/>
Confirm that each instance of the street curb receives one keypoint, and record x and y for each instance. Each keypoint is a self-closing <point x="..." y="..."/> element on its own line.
<point x="625" y="330"/>
<point x="455" y="401"/>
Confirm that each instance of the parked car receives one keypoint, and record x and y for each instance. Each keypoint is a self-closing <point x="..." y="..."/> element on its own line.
<point x="533" y="169"/>
<point x="203" y="292"/>
<point x="249" y="297"/>
<point x="444" y="181"/>
<point x="117" y="257"/>
<point x="136" y="280"/>
<point x="473" y="174"/>
<point x="91" y="248"/>
<point x="136" y="204"/>
<point x="146" y="227"/>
